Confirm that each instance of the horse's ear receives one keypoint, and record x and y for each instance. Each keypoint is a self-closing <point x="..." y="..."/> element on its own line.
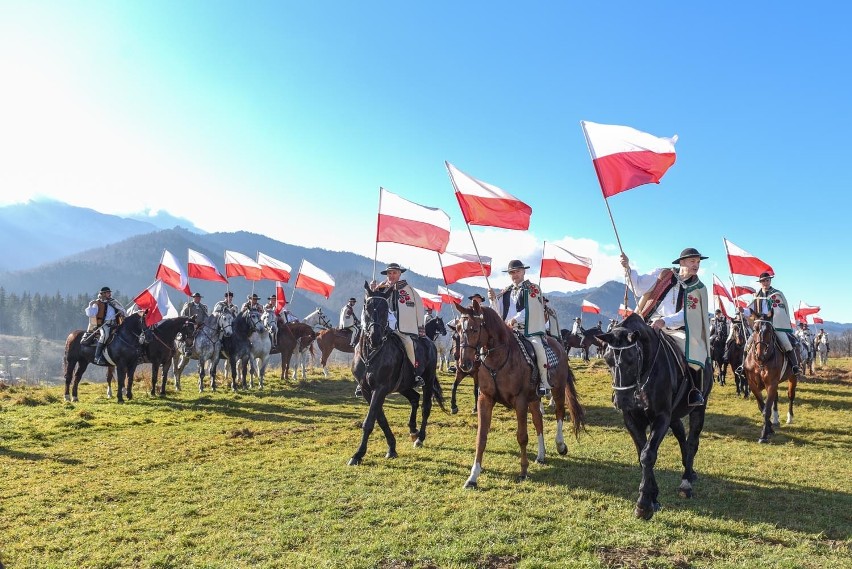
<point x="606" y="338"/>
<point x="632" y="337"/>
<point x="367" y="287"/>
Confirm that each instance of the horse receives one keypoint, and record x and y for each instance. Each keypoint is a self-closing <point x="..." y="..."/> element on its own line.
<point x="766" y="367"/>
<point x="805" y="352"/>
<point x="260" y="340"/>
<point x="293" y="338"/>
<point x="436" y="329"/>
<point x="317" y="320"/>
<point x="382" y="367"/>
<point x="717" y="357"/>
<point x="650" y="381"/>
<point x="461" y="374"/>
<point x="330" y="340"/>
<point x="444" y="346"/>
<point x="206" y="348"/>
<point x="160" y="349"/>
<point x="237" y="346"/>
<point x="735" y="348"/>
<point x="506" y="376"/>
<point x="123" y="350"/>
<point x="583" y="340"/>
<point x="822" y="350"/>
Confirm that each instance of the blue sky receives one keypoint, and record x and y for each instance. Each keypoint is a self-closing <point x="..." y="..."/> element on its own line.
<point x="285" y="119"/>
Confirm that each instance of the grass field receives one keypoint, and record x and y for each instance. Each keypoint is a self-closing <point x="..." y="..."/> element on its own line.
<point x="259" y="479"/>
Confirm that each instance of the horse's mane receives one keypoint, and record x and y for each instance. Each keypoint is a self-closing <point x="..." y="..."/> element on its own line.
<point x="496" y="326"/>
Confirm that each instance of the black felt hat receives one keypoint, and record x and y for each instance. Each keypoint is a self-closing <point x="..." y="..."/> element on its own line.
<point x="764" y="275"/>
<point x="514" y="265"/>
<point x="687" y="253"/>
<point x="393" y="267"/>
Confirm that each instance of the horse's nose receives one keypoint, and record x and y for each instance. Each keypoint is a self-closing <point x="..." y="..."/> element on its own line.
<point x="466" y="365"/>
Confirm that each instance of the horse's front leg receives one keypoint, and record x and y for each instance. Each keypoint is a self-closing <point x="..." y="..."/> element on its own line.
<point x="377" y="400"/>
<point x="538" y="422"/>
<point x="791" y="395"/>
<point x="109" y="377"/>
<point x="155" y="369"/>
<point x="768" y="410"/>
<point x="522" y="434"/>
<point x="120" y="375"/>
<point x="382" y="420"/>
<point x="649" y="492"/>
<point x="78" y="375"/>
<point x="486" y="408"/>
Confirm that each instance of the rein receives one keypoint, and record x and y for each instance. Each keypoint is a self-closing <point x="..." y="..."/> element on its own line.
<point x="616" y="372"/>
<point x="483" y="352"/>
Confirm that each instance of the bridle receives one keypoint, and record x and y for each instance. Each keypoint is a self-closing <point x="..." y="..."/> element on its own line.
<point x="480" y="352"/>
<point x="367" y="337"/>
<point x="617" y="375"/>
<point x="440" y="328"/>
<point x="767" y="351"/>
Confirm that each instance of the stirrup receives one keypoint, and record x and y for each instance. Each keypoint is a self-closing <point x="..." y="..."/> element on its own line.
<point x="739" y="371"/>
<point x="358" y="392"/>
<point x="543" y="391"/>
<point x="418" y="381"/>
<point x="695" y="398"/>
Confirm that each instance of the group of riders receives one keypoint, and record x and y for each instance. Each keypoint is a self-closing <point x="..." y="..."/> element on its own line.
<point x="672" y="300"/>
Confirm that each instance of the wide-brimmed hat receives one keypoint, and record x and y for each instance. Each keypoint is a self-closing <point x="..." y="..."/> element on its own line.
<point x="515" y="264"/>
<point x="393" y="267"/>
<point x="476" y="295"/>
<point x="764" y="275"/>
<point x="228" y="293"/>
<point x="253" y="296"/>
<point x="687" y="253"/>
<point x="353" y="299"/>
<point x="196" y="295"/>
<point x="271" y="297"/>
<point x="105" y="289"/>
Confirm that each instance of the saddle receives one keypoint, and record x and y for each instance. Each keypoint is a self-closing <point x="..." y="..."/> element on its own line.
<point x="529" y="354"/>
<point x="90" y="338"/>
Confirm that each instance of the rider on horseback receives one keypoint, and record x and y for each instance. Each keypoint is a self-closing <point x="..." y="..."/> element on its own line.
<point x="405" y="313"/>
<point x="102" y="313"/>
<point x="577" y="328"/>
<point x="772" y="303"/>
<point x="350" y="322"/>
<point x="252" y="305"/>
<point x="719" y="327"/>
<point x="676" y="303"/>
<point x="197" y="311"/>
<point x="521" y="308"/>
<point x="225" y="304"/>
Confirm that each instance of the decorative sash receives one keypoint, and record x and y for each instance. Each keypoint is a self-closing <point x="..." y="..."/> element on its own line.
<point x="651" y="299"/>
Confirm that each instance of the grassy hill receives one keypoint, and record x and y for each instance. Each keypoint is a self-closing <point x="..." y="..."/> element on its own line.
<point x="259" y="479"/>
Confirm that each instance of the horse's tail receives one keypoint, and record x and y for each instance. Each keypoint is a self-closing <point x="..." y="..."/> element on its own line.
<point x="438" y="394"/>
<point x="575" y="408"/>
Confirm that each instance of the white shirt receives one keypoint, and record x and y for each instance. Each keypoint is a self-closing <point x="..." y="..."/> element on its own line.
<point x="666" y="309"/>
<point x="513" y="316"/>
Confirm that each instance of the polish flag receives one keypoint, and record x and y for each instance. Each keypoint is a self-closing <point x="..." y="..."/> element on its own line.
<point x="589" y="307"/>
<point x="402" y="221"/>
<point x="484" y="204"/>
<point x="273" y="269"/>
<point x="200" y="267"/>
<point x="804" y="311"/>
<point x="723" y="309"/>
<point x="818" y="320"/>
<point x="740" y="290"/>
<point x="625" y="157"/>
<point x="314" y="279"/>
<point x="741" y="303"/>
<point x="720" y="290"/>
<point x="562" y="264"/>
<point x="450" y="296"/>
<point x="280" y="297"/>
<point x="171" y="273"/>
<point x="457" y="266"/>
<point x="237" y="264"/>
<point x="156" y="301"/>
<point x="744" y="263"/>
<point x="623" y="311"/>
<point x="429" y="300"/>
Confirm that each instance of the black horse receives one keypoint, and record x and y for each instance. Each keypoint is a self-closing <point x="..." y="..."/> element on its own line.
<point x="651" y="383"/>
<point x="735" y="352"/>
<point x="718" y="338"/>
<point x="435" y="328"/>
<point x="461" y="374"/>
<point x="159" y="348"/>
<point x="381" y="367"/>
<point x="123" y="350"/>
<point x="237" y="347"/>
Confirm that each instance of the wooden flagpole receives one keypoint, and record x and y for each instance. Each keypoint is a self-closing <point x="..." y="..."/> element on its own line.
<point x="293" y="292"/>
<point x="541" y="265"/>
<point x="376" y="254"/>
<point x="440" y="262"/>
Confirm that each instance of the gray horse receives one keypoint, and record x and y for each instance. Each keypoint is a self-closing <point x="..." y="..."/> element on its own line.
<point x="205" y="348"/>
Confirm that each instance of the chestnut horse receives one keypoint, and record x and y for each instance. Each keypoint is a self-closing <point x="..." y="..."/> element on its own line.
<point x="330" y="340"/>
<point x="461" y="374"/>
<point x="505" y="377"/>
<point x="766" y="367"/>
<point x="293" y="337"/>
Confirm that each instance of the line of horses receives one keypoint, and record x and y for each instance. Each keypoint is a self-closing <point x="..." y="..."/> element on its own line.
<point x="650" y="379"/>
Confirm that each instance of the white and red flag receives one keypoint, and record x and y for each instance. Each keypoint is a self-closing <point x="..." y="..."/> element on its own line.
<point x="625" y="157"/>
<point x="280" y="297"/>
<point x="449" y="296"/>
<point x="485" y="204"/>
<point x="156" y="301"/>
<point x="239" y="265"/>
<point x="200" y="267"/>
<point x="624" y="311"/>
<point x="314" y="279"/>
<point x="804" y="311"/>
<point x="429" y="300"/>
<point x="720" y="290"/>
<point x="590" y="307"/>
<point x="744" y="263"/>
<point x="172" y="274"/>
<point x="561" y="264"/>
<point x="273" y="269"/>
<point x="457" y="266"/>
<point x="818" y="320"/>
<point x="740" y="290"/>
<point x="402" y="221"/>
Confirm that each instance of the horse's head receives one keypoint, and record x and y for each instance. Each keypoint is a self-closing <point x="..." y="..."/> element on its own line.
<point x="436" y="327"/>
<point x="255" y="320"/>
<point x="376" y="310"/>
<point x="226" y="323"/>
<point x="188" y="329"/>
<point x="737" y="334"/>
<point x="478" y="328"/>
<point x="763" y="339"/>
<point x="624" y="357"/>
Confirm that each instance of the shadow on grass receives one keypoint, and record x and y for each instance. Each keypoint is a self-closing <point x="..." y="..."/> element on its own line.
<point x="33" y="456"/>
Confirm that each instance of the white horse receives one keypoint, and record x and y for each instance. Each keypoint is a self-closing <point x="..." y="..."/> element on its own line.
<point x="261" y="345"/>
<point x="206" y="348"/>
<point x="444" y="344"/>
<point x="822" y="350"/>
<point x="302" y="355"/>
<point x="317" y="320"/>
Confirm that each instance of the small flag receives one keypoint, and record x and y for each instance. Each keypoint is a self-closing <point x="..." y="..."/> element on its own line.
<point x="171" y="273"/>
<point x="450" y="296"/>
<point x="200" y="267"/>
<point x="273" y="269"/>
<point x="402" y="221"/>
<point x="743" y="263"/>
<point x="156" y="301"/>
<point x="314" y="279"/>
<point x="590" y="307"/>
<point x="457" y="266"/>
<point x="562" y="264"/>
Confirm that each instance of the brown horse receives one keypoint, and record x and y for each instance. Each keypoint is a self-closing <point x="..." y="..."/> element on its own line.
<point x="506" y="377"/>
<point x="584" y="340"/>
<point x="734" y="358"/>
<point x="330" y="340"/>
<point x="292" y="337"/>
<point x="766" y="367"/>
<point x="461" y="374"/>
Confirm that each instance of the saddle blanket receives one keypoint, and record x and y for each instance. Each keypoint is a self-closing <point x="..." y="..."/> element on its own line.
<point x="529" y="352"/>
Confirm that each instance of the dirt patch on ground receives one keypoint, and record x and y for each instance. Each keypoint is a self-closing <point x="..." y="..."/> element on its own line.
<point x="640" y="557"/>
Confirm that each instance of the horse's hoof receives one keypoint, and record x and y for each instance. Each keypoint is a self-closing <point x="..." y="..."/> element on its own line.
<point x="644" y="513"/>
<point x="562" y="448"/>
<point x="657" y="506"/>
<point x="418" y="443"/>
<point x="763" y="441"/>
<point x="539" y="460"/>
<point x="391" y="454"/>
<point x="414" y="436"/>
<point x="455" y="410"/>
<point x="684" y="491"/>
<point x="354" y="461"/>
<point x="776" y="424"/>
<point x="521" y="478"/>
<point x="470" y="485"/>
<point x="74" y="399"/>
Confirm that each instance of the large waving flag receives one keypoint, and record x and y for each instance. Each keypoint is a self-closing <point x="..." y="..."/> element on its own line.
<point x="457" y="266"/>
<point x="273" y="269"/>
<point x="744" y="263"/>
<point x="561" y="264"/>
<point x="200" y="267"/>
<point x="172" y="274"/>
<point x="237" y="264"/>
<point x="402" y="221"/>
<point x="625" y="157"/>
<point x="804" y="311"/>
<point x="590" y="307"/>
<point x="740" y="290"/>
<point x="280" y="297"/>
<point x="314" y="279"/>
<point x="156" y="301"/>
<point x="450" y="296"/>
<point x="429" y="300"/>
<point x="484" y="204"/>
<point x="720" y="290"/>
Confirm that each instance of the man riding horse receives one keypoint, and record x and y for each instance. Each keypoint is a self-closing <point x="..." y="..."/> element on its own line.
<point x="227" y="303"/>
<point x="771" y="303"/>
<point x="676" y="304"/>
<point x="350" y="322"/>
<point x="522" y="309"/>
<point x="103" y="312"/>
<point x="405" y="313"/>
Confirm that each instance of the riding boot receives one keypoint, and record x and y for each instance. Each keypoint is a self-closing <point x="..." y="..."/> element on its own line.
<point x="695" y="397"/>
<point x="358" y="392"/>
<point x="543" y="385"/>
<point x="418" y="363"/>
<point x="791" y="359"/>
<point x="99" y="354"/>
